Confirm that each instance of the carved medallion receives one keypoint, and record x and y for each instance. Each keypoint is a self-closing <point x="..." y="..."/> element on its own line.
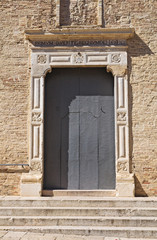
<point x="36" y="117"/>
<point x="78" y="58"/>
<point x="115" y="58"/>
<point x="41" y="59"/>
<point x="121" y="116"/>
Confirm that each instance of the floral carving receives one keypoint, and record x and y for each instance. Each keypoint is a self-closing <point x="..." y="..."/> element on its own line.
<point x="122" y="166"/>
<point x="115" y="58"/>
<point x="121" y="116"/>
<point x="36" y="117"/>
<point x="41" y="59"/>
<point x="78" y="58"/>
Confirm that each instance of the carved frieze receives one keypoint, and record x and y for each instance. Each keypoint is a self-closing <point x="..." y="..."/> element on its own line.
<point x="41" y="59"/>
<point x="79" y="43"/>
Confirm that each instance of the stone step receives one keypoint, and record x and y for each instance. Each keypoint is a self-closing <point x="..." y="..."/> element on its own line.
<point x="73" y="211"/>
<point x="6" y="235"/>
<point x="46" y="236"/>
<point x="77" y="202"/>
<point x="78" y="221"/>
<point x="119" y="232"/>
<point x="80" y="193"/>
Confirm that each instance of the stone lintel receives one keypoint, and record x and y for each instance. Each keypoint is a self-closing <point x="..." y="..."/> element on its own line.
<point x="75" y="34"/>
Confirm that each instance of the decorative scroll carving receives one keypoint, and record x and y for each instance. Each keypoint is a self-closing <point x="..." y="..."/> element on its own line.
<point x="78" y="58"/>
<point x="79" y="43"/>
<point x="36" y="117"/>
<point x="121" y="116"/>
<point x="122" y="167"/>
<point x="115" y="58"/>
<point x="41" y="59"/>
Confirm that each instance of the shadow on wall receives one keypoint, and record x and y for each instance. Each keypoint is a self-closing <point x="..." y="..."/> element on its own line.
<point x="136" y="48"/>
<point x="65" y="12"/>
<point x="139" y="189"/>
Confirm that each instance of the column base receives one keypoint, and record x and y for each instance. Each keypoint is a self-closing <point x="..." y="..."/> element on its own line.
<point x="125" y="186"/>
<point x="31" y="185"/>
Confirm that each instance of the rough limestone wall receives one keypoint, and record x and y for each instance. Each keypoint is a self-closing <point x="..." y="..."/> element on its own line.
<point x="16" y="16"/>
<point x="142" y="50"/>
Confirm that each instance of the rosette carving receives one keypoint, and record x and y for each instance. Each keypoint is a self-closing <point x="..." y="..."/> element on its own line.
<point x="115" y="58"/>
<point x="41" y="59"/>
<point x="78" y="58"/>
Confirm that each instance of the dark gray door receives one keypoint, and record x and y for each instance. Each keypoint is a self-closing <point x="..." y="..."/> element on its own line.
<point x="79" y="150"/>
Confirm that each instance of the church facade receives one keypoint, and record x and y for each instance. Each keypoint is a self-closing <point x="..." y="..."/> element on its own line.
<point x="78" y="98"/>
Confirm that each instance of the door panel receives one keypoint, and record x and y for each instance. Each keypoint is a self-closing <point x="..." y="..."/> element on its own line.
<point x="94" y="148"/>
<point x="79" y="129"/>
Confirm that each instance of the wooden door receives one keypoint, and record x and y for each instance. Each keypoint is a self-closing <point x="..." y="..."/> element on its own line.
<point x="79" y="150"/>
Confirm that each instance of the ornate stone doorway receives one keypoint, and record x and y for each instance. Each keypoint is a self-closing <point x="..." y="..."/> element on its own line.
<point x="101" y="48"/>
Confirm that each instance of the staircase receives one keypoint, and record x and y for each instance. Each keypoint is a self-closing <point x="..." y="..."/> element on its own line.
<point x="111" y="218"/>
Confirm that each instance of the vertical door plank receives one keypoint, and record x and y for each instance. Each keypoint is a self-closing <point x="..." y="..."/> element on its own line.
<point x="88" y="143"/>
<point x="74" y="145"/>
<point x="106" y="144"/>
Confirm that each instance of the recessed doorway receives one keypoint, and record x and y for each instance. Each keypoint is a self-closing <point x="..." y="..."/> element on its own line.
<point x="79" y="133"/>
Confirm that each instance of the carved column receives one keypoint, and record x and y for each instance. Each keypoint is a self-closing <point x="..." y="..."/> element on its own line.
<point x="124" y="179"/>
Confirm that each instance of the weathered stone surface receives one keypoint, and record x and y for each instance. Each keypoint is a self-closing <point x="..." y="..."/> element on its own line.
<point x="82" y="12"/>
<point x="13" y="235"/>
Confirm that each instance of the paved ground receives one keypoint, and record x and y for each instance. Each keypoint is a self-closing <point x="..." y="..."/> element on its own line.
<point x="6" y="235"/>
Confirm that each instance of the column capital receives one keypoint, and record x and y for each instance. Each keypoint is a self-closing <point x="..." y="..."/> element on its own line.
<point x="117" y="70"/>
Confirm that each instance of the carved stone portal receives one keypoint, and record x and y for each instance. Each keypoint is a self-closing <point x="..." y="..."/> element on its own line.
<point x="43" y="59"/>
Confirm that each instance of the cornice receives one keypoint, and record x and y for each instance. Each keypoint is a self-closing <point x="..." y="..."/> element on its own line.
<point x="81" y="34"/>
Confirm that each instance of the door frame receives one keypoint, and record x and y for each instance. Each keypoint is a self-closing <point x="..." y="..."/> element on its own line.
<point x="51" y="53"/>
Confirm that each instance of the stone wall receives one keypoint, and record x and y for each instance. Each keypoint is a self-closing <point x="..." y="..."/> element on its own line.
<point x="16" y="16"/>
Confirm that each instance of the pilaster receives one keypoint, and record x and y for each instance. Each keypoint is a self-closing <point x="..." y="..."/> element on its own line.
<point x="124" y="179"/>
